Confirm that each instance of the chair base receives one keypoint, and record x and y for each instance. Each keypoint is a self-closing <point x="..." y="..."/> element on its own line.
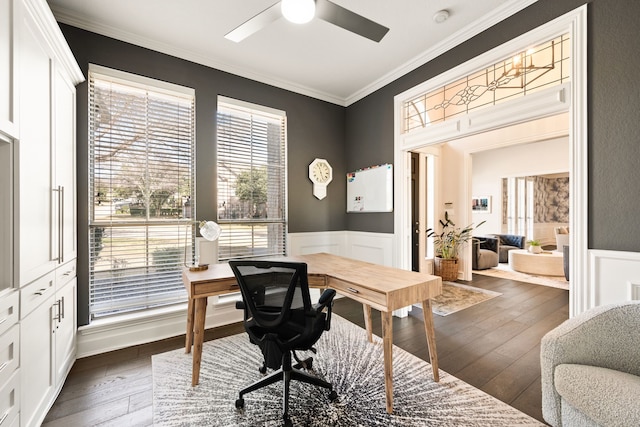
<point x="287" y="373"/>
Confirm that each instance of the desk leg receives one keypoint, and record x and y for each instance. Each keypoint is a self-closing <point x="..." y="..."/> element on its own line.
<point x="189" y="337"/>
<point x="367" y="321"/>
<point x="387" y="345"/>
<point x="198" y="338"/>
<point x="431" y="337"/>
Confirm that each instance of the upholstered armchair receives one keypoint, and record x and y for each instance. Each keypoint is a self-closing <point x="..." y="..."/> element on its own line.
<point x="485" y="252"/>
<point x="507" y="243"/>
<point x="590" y="368"/>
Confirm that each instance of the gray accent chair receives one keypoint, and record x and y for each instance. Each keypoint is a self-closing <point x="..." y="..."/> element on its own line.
<point x="485" y="252"/>
<point x="590" y="368"/>
<point x="507" y="243"/>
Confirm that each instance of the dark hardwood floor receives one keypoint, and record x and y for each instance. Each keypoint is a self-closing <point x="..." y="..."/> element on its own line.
<point x="494" y="346"/>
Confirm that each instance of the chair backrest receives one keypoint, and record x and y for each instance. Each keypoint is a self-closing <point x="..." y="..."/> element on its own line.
<point x="272" y="289"/>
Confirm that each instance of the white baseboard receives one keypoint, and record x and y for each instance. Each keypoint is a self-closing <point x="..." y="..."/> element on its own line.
<point x="126" y="331"/>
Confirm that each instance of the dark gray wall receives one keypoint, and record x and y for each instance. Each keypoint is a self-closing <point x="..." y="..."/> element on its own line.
<point x="362" y="134"/>
<point x="315" y="129"/>
<point x="614" y="102"/>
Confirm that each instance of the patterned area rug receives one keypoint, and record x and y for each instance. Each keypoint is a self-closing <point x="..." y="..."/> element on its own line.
<point x="504" y="272"/>
<point x="456" y="297"/>
<point x="347" y="360"/>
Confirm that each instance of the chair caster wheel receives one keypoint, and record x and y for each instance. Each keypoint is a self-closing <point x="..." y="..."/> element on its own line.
<point x="308" y="364"/>
<point x="240" y="403"/>
<point x="287" y="422"/>
<point x="263" y="370"/>
<point x="333" y="396"/>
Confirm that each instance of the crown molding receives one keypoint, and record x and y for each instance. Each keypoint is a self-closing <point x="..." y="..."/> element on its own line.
<point x="504" y="11"/>
<point x="67" y="17"/>
<point x="508" y="8"/>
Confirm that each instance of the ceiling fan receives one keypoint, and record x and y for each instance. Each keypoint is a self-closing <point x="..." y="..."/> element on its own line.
<point x="323" y="9"/>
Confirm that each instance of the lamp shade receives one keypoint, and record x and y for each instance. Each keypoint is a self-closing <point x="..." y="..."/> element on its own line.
<point x="298" y="11"/>
<point x="210" y="230"/>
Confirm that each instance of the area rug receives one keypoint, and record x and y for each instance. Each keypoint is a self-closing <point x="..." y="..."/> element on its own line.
<point x="456" y="297"/>
<point x="504" y="272"/>
<point x="347" y="360"/>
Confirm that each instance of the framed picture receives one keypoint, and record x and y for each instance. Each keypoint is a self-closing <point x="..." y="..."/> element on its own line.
<point x="481" y="204"/>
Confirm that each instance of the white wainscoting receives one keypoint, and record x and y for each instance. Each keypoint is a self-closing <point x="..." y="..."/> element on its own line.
<point x="126" y="331"/>
<point x="376" y="248"/>
<point x="614" y="277"/>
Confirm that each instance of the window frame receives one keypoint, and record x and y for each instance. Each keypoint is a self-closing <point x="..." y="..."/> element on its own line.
<point x="181" y="229"/>
<point x="224" y="102"/>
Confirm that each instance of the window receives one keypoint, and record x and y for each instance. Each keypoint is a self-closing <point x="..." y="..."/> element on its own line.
<point x="141" y="183"/>
<point x="251" y="180"/>
<point x="537" y="68"/>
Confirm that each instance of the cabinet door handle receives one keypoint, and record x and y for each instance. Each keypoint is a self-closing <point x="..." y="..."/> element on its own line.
<point x="353" y="290"/>
<point x="61" y="235"/>
<point x="60" y="191"/>
<point x="57" y="316"/>
<point x="62" y="308"/>
<point x="41" y="291"/>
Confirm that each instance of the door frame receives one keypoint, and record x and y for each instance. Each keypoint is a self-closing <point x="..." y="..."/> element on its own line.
<point x="571" y="98"/>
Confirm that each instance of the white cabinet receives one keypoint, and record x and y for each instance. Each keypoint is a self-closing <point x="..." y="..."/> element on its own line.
<point x="35" y="220"/>
<point x="64" y="329"/>
<point x="64" y="168"/>
<point x="47" y="346"/>
<point x="38" y="222"/>
<point x="8" y="77"/>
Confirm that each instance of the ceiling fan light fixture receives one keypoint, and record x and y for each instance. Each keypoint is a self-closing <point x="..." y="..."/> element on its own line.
<point x="298" y="11"/>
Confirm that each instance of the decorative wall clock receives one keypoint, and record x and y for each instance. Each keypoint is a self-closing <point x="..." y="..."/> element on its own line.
<point x="321" y="174"/>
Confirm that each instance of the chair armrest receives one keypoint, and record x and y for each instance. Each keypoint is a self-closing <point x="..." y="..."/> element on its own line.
<point x="325" y="301"/>
<point x="605" y="336"/>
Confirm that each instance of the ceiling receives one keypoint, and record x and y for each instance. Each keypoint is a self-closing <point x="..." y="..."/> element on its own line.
<point x="316" y="59"/>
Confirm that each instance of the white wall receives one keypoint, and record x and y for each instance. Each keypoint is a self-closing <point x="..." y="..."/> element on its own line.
<point x="489" y="167"/>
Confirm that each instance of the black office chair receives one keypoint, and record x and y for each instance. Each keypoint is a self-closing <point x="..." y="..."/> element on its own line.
<point x="279" y="318"/>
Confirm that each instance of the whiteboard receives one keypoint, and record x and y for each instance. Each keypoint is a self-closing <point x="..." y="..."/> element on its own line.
<point x="370" y="189"/>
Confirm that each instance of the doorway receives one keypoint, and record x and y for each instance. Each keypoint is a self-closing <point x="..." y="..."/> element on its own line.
<point x="454" y="187"/>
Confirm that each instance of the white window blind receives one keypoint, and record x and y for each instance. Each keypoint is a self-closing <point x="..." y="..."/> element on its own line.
<point x="251" y="180"/>
<point x="141" y="183"/>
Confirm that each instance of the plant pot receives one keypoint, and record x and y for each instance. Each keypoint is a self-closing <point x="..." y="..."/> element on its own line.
<point x="535" y="249"/>
<point x="447" y="268"/>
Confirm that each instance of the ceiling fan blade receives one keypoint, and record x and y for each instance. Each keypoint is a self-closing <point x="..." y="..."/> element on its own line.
<point x="351" y="21"/>
<point x="254" y="24"/>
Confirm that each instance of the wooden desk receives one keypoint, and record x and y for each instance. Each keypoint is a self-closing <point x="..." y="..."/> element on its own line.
<point x="383" y="288"/>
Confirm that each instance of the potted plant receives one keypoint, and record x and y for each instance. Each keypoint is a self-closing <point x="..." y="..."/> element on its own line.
<point x="447" y="245"/>
<point x="534" y="246"/>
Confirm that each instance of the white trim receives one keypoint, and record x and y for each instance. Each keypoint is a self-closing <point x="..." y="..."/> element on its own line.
<point x="573" y="99"/>
<point x="130" y="79"/>
<point x="126" y="331"/>
<point x="500" y="13"/>
<point x="45" y="20"/>
<point x="614" y="277"/>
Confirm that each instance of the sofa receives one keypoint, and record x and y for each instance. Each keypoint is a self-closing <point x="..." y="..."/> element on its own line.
<point x="507" y="243"/>
<point x="485" y="252"/>
<point x="590" y="367"/>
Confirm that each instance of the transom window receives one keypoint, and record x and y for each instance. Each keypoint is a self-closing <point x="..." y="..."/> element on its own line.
<point x="141" y="183"/>
<point x="252" y="209"/>
<point x="525" y="72"/>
